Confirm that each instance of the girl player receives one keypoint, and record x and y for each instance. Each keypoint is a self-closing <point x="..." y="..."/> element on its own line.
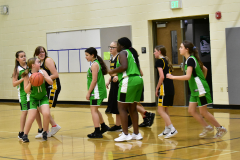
<point x="165" y="85"/>
<point x="17" y="80"/>
<point x="200" y="91"/>
<point x="38" y="97"/>
<point x="96" y="90"/>
<point x="53" y="90"/>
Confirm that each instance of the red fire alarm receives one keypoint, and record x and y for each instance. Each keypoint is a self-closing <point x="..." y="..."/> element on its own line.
<point x="218" y="15"/>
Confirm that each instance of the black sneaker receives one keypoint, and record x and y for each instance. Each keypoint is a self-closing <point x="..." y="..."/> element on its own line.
<point x="25" y="138"/>
<point x="104" y="129"/>
<point x="20" y="134"/>
<point x="145" y="123"/>
<point x="44" y="135"/>
<point x="95" y="135"/>
<point x="129" y="122"/>
<point x="151" y="117"/>
<point x="115" y="128"/>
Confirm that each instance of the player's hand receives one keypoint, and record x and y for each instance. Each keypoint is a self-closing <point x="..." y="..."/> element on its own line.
<point x="88" y="96"/>
<point x="156" y="92"/>
<point x="169" y="76"/>
<point x="107" y="84"/>
<point x="115" y="78"/>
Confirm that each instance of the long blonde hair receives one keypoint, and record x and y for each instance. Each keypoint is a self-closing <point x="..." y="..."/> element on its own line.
<point x="163" y="51"/>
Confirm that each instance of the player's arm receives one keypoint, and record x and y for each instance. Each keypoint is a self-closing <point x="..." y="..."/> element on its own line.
<point x="15" y="80"/>
<point x="141" y="72"/>
<point x="160" y="80"/>
<point x="124" y="63"/>
<point x="183" y="77"/>
<point x="205" y="70"/>
<point x="47" y="78"/>
<point x="27" y="84"/>
<point x="50" y="65"/>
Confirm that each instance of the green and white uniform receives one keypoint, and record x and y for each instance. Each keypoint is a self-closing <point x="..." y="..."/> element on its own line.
<point x="99" y="92"/>
<point x="130" y="81"/>
<point x="200" y="91"/>
<point x="22" y="95"/>
<point x="38" y="95"/>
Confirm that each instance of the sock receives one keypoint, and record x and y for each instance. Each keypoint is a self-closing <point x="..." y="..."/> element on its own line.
<point x="166" y="128"/>
<point x="103" y="124"/>
<point x="144" y="114"/>
<point x="54" y="126"/>
<point x="97" y="129"/>
<point x="170" y="126"/>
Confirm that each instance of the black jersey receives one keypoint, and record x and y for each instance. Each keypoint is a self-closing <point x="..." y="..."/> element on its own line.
<point x="113" y="62"/>
<point x="56" y="82"/>
<point x="167" y="86"/>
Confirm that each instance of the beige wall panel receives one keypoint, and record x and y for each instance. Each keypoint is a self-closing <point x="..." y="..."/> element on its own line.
<point x="26" y="26"/>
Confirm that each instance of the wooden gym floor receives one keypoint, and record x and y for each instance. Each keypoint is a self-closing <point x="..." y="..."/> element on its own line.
<point x="71" y="141"/>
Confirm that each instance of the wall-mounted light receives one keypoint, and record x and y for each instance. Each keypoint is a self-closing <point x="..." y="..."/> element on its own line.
<point x="4" y="9"/>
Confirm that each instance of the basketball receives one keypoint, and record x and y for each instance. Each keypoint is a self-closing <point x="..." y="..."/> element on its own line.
<point x="36" y="79"/>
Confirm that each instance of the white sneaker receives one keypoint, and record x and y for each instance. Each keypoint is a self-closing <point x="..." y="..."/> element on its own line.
<point x="165" y="132"/>
<point x="221" y="131"/>
<point x="122" y="137"/>
<point x="137" y="136"/>
<point x="171" y="133"/>
<point x="54" y="130"/>
<point x="40" y="135"/>
<point x="206" y="130"/>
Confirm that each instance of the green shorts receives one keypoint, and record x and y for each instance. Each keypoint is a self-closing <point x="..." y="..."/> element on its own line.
<point x="24" y="102"/>
<point x="202" y="101"/>
<point x="130" y="89"/>
<point x="34" y="103"/>
<point x="95" y="102"/>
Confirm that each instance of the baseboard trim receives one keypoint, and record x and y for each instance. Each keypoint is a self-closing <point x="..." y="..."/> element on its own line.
<point x="227" y="106"/>
<point x="76" y="102"/>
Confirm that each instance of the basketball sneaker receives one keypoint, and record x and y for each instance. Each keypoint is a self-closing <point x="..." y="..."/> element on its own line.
<point x="172" y="133"/>
<point x="40" y="135"/>
<point x="20" y="134"/>
<point x="137" y="136"/>
<point x="150" y="117"/>
<point x="45" y="135"/>
<point x="104" y="129"/>
<point x="145" y="123"/>
<point x="221" y="131"/>
<point x="115" y="128"/>
<point x="122" y="137"/>
<point x="165" y="132"/>
<point x="95" y="135"/>
<point x="206" y="130"/>
<point x="54" y="130"/>
<point x="25" y="138"/>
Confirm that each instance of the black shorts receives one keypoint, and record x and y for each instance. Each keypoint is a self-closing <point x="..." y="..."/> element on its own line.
<point x="166" y="100"/>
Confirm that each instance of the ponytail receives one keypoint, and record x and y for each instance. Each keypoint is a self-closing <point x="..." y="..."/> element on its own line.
<point x="16" y="63"/>
<point x="135" y="55"/>
<point x="193" y="51"/>
<point x="25" y="73"/>
<point x="103" y="65"/>
<point x="163" y="51"/>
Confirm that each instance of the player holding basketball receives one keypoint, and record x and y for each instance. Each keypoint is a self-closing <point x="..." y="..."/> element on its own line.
<point x="200" y="91"/>
<point x="166" y="88"/>
<point x="130" y="87"/>
<point x="96" y="90"/>
<point x="38" y="98"/>
<point x="53" y="90"/>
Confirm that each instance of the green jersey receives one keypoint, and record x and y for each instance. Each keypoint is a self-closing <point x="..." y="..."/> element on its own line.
<point x="99" y="91"/>
<point x="132" y="67"/>
<point x="197" y="83"/>
<point x="39" y="92"/>
<point x="20" y="87"/>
